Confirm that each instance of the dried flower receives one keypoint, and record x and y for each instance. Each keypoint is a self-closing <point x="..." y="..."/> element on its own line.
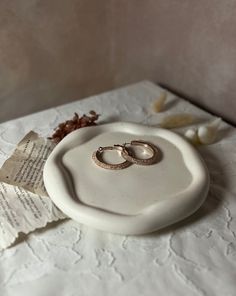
<point x="204" y="134"/>
<point x="75" y="123"/>
<point x="159" y="103"/>
<point x="178" y="120"/>
<point x="207" y="134"/>
<point x="192" y="136"/>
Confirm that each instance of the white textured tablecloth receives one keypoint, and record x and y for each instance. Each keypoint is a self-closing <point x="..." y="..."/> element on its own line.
<point x="194" y="257"/>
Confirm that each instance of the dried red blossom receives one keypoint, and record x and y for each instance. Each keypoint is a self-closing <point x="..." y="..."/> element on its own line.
<point x="75" y="123"/>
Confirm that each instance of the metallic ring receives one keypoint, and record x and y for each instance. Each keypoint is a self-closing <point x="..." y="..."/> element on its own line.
<point x="98" y="159"/>
<point x="146" y="161"/>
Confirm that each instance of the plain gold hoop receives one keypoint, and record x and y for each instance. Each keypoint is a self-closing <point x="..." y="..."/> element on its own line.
<point x="147" y="145"/>
<point x="98" y="158"/>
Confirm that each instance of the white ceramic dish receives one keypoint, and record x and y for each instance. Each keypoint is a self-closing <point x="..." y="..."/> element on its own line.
<point x="135" y="200"/>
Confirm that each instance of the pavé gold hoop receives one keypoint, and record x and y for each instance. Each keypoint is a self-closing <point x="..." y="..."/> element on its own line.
<point x="98" y="159"/>
<point x="141" y="161"/>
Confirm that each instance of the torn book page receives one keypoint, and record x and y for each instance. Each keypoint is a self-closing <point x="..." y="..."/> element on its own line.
<point x="24" y="203"/>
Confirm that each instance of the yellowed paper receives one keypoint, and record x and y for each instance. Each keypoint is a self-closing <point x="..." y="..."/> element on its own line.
<point x="24" y="204"/>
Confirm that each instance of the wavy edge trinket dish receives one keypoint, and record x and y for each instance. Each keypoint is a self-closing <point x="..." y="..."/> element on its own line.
<point x="62" y="187"/>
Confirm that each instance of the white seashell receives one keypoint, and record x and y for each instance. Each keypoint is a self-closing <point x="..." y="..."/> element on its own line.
<point x="192" y="136"/>
<point x="159" y="103"/>
<point x="207" y="133"/>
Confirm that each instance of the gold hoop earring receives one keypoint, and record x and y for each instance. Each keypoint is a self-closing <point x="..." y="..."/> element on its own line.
<point x="141" y="161"/>
<point x="98" y="159"/>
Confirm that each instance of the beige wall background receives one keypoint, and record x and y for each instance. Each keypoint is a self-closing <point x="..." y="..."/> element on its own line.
<point x="52" y="52"/>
